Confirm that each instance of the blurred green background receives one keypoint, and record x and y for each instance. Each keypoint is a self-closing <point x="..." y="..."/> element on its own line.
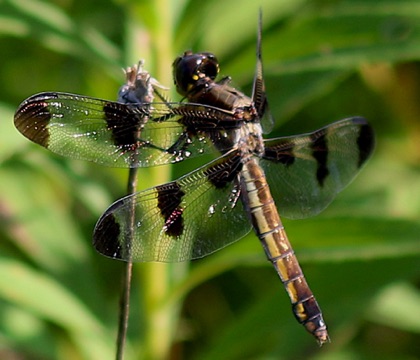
<point x="324" y="60"/>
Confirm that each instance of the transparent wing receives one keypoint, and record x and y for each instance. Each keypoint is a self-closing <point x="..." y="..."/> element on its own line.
<point x="306" y="172"/>
<point x="185" y="219"/>
<point x="117" y="134"/>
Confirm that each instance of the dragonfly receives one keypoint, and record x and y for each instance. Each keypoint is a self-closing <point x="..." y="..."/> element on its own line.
<point x="251" y="181"/>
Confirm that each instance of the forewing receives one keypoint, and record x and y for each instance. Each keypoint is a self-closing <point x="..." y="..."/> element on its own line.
<point x="116" y="134"/>
<point x="306" y="172"/>
<point x="185" y="219"/>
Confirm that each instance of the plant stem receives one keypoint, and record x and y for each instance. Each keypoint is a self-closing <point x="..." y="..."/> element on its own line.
<point x="126" y="284"/>
<point x="159" y="279"/>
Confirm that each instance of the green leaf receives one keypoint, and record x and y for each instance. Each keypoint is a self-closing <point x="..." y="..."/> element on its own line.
<point x="54" y="303"/>
<point x="397" y="305"/>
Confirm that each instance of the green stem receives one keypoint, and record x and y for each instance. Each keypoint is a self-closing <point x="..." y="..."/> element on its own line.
<point x="161" y="318"/>
<point x="157" y="279"/>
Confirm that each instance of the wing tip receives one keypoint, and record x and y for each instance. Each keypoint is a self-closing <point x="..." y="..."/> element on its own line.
<point x="33" y="116"/>
<point x="107" y="233"/>
<point x="365" y="141"/>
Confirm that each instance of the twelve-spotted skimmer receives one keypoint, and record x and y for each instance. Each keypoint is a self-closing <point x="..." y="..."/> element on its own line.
<point x="251" y="182"/>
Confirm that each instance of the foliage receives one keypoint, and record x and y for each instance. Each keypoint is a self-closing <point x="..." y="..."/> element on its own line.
<point x="324" y="60"/>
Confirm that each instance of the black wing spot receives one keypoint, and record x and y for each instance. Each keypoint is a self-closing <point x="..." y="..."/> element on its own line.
<point x="319" y="148"/>
<point x="32" y="119"/>
<point x="106" y="235"/>
<point x="279" y="154"/>
<point x="125" y="122"/>
<point x="224" y="172"/>
<point x="366" y="143"/>
<point x="169" y="197"/>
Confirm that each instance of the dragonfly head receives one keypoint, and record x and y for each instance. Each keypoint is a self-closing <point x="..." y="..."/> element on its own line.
<point x="194" y="70"/>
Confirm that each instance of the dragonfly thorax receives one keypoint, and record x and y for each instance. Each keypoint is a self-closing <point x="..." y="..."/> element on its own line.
<point x="249" y="140"/>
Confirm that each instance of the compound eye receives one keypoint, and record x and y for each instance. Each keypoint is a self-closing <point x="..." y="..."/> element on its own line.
<point x="209" y="66"/>
<point x="190" y="68"/>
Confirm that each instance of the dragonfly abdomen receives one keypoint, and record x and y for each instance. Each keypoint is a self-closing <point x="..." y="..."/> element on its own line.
<point x="269" y="229"/>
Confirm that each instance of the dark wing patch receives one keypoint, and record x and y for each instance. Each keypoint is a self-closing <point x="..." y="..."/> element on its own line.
<point x="222" y="174"/>
<point x="169" y="198"/>
<point x="124" y="124"/>
<point x="111" y="228"/>
<point x="33" y="117"/>
<point x="319" y="148"/>
<point x="365" y="143"/>
<point x="280" y="152"/>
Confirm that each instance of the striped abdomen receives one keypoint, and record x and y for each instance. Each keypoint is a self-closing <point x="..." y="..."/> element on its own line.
<point x="269" y="228"/>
